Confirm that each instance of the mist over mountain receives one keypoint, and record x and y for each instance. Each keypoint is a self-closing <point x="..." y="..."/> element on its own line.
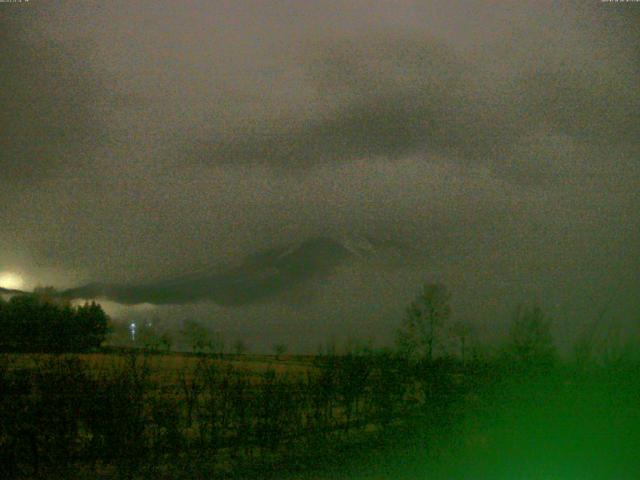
<point x="260" y="276"/>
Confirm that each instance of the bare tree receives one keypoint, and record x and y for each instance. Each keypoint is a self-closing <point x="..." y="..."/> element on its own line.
<point x="530" y="339"/>
<point x="239" y="347"/>
<point x="279" y="349"/>
<point x="166" y="341"/>
<point x="462" y="333"/>
<point x="202" y="340"/>
<point x="420" y="330"/>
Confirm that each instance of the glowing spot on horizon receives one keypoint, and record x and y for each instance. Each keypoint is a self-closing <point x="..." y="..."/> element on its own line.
<point x="11" y="281"/>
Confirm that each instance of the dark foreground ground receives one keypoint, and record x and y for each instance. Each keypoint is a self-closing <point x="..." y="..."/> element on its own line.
<point x="365" y="416"/>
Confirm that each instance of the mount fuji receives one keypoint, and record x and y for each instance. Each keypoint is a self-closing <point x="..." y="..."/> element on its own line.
<point x="258" y="277"/>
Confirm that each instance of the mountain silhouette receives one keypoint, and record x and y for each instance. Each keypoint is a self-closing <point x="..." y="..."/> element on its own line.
<point x="260" y="276"/>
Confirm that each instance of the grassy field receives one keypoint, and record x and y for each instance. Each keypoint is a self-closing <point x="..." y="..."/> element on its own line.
<point x="367" y="415"/>
<point x="173" y="362"/>
<point x="240" y="410"/>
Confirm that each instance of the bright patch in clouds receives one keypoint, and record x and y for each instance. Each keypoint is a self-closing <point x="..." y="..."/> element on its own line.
<point x="11" y="280"/>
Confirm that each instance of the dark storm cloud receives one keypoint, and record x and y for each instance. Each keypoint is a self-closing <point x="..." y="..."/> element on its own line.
<point x="393" y="96"/>
<point x="495" y="146"/>
<point x="379" y="95"/>
<point x="49" y="101"/>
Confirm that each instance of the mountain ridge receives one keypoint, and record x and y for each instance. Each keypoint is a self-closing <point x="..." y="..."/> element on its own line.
<point x="259" y="277"/>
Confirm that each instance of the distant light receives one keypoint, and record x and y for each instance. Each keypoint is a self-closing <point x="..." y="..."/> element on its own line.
<point x="132" y="331"/>
<point x="11" y="281"/>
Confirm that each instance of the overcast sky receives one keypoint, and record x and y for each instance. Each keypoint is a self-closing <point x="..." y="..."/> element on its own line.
<point x="494" y="144"/>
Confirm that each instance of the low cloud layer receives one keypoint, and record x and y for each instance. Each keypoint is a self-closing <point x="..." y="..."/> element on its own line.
<point x="495" y="147"/>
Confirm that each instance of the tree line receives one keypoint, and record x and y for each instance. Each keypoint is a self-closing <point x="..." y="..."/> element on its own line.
<point x="207" y="417"/>
<point x="39" y="323"/>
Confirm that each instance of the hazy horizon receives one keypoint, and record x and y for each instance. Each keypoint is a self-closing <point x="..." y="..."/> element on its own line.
<point x="492" y="148"/>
